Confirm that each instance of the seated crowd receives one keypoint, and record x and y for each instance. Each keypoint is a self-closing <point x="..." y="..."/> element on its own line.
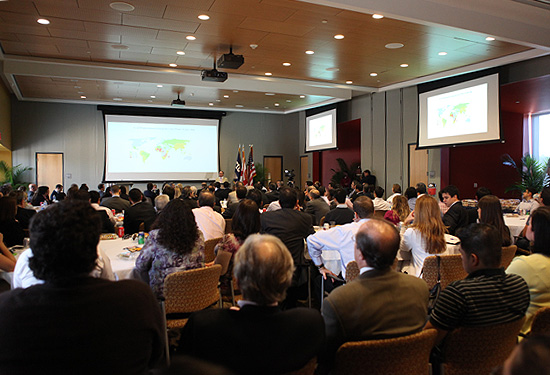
<point x="66" y="308"/>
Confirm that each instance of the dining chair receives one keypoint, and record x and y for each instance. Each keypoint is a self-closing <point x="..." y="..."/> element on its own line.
<point x="400" y="355"/>
<point x="541" y="322"/>
<point x="352" y="271"/>
<point x="508" y="253"/>
<point x="228" y="226"/>
<point x="451" y="269"/>
<point x="209" y="246"/>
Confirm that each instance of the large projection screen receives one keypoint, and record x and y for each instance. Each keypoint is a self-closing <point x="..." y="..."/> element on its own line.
<point x="143" y="148"/>
<point x="467" y="112"/>
<point x="321" y="131"/>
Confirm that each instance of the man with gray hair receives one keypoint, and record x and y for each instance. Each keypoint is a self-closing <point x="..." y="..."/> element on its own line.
<point x="316" y="206"/>
<point x="258" y="338"/>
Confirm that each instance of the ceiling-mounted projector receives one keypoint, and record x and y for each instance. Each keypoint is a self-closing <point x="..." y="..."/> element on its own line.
<point x="230" y="61"/>
<point x="213" y="75"/>
<point x="178" y="102"/>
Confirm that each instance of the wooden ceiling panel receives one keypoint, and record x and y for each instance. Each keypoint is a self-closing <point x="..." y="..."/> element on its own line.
<point x="134" y="56"/>
<point x="7" y="36"/>
<point x="42" y="49"/>
<point x="34" y="39"/>
<point x="14" y="48"/>
<point x="84" y="35"/>
<point x="192" y="4"/>
<point x="175" y="44"/>
<point x="180" y="13"/>
<point x="140" y="32"/>
<point x="285" y="28"/>
<point x="252" y="8"/>
<point x="142" y="7"/>
<point x="90" y="15"/>
<point x="159" y="23"/>
<point x="24" y="29"/>
<point x="19" y="6"/>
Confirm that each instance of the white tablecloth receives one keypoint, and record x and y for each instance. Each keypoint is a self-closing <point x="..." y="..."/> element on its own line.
<point x="122" y="267"/>
<point x="515" y="223"/>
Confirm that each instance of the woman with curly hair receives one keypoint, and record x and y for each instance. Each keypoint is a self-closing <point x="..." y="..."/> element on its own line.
<point x="489" y="210"/>
<point x="246" y="221"/>
<point x="426" y="236"/>
<point x="399" y="211"/>
<point x="174" y="244"/>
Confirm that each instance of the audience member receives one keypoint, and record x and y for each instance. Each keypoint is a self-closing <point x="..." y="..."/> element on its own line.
<point x="396" y="190"/>
<point x="211" y="223"/>
<point x="72" y="318"/>
<point x="292" y="227"/>
<point x="9" y="227"/>
<point x="232" y="196"/>
<point x="23" y="214"/>
<point x="55" y="194"/>
<point x="258" y="338"/>
<point x="481" y="192"/>
<point x="32" y="189"/>
<point x="5" y="189"/>
<point x="442" y="206"/>
<point x="174" y="244"/>
<point x="101" y="190"/>
<point x="139" y="212"/>
<point x="317" y="207"/>
<point x="425" y="237"/>
<point x="535" y="268"/>
<point x="115" y="202"/>
<point x="356" y="190"/>
<point x="341" y="214"/>
<point x="368" y="178"/>
<point x="411" y="196"/>
<point x="223" y="191"/>
<point x="240" y="193"/>
<point x="94" y="200"/>
<point x="400" y="210"/>
<point x="456" y="216"/>
<point x="528" y="204"/>
<point x="379" y="203"/>
<point x="489" y="211"/>
<point x="7" y="260"/>
<point x="123" y="193"/>
<point x="272" y="193"/>
<point x="170" y="191"/>
<point x="246" y="221"/>
<point x="531" y="356"/>
<point x="256" y="196"/>
<point x="149" y="193"/>
<point x="381" y="302"/>
<point x="41" y="195"/>
<point x="488" y="296"/>
<point x="161" y="201"/>
<point x="421" y="189"/>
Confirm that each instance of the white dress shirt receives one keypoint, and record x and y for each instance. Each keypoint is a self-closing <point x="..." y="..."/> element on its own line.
<point x="381" y="204"/>
<point x="211" y="223"/>
<point x="106" y="209"/>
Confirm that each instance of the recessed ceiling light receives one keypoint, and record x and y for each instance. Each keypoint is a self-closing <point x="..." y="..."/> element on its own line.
<point x="203" y="17"/>
<point x="289" y="101"/>
<point x="338" y="36"/>
<point x="310" y="52"/>
<point x="302" y="96"/>
<point x="77" y="87"/>
<point x="210" y="103"/>
<point x="153" y="96"/>
<point x="253" y="46"/>
<point x="226" y="96"/>
<point x="122" y="7"/>
<point x="181" y="53"/>
<point x="276" y="104"/>
<point x="117" y="99"/>
<point x="173" y="65"/>
<point x="373" y="74"/>
<point x="43" y="21"/>
<point x="159" y="86"/>
<point x="394" y="45"/>
<point x="266" y="107"/>
<point x="119" y="46"/>
<point x="235" y="90"/>
<point x="517" y="101"/>
<point x="190" y="37"/>
<point x="82" y="97"/>
<point x="349" y="82"/>
<point x="218" y="100"/>
<point x="81" y="92"/>
<point x="287" y="64"/>
<point x="490" y="38"/>
<point x="377" y="16"/>
<point x="333" y="69"/>
<point x="268" y="74"/>
<point x="442" y="53"/>
<point x="269" y="93"/>
<point x="404" y="65"/>
<point x="324" y="21"/>
<point x="239" y="105"/>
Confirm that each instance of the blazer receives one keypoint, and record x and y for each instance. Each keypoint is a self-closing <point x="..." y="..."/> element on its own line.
<point x="255" y="339"/>
<point x="141" y="212"/>
<point x="116" y="203"/>
<point x="318" y="208"/>
<point x="456" y="217"/>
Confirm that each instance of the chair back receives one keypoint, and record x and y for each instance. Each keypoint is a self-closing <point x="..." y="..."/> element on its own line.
<point x="209" y="246"/>
<point x="379" y="214"/>
<point x="478" y="350"/>
<point x="322" y="221"/>
<point x="228" y="226"/>
<point x="308" y="369"/>
<point x="352" y="271"/>
<point x="400" y="355"/>
<point x="451" y="269"/>
<point x="191" y="290"/>
<point x="508" y="253"/>
<point x="541" y="322"/>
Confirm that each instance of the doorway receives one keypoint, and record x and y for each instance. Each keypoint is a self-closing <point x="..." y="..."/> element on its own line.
<point x="49" y="169"/>
<point x="274" y="168"/>
<point x="418" y="165"/>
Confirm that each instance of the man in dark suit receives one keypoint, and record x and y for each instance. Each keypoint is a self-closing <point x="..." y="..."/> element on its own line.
<point x="342" y="214"/>
<point x="139" y="212"/>
<point x="316" y="206"/>
<point x="292" y="227"/>
<point x="232" y="207"/>
<point x="116" y="202"/>
<point x="381" y="302"/>
<point x="273" y="194"/>
<point x="456" y="216"/>
<point x="258" y="338"/>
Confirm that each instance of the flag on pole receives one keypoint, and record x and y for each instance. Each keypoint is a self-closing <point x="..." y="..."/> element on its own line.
<point x="251" y="168"/>
<point x="243" y="168"/>
<point x="238" y="165"/>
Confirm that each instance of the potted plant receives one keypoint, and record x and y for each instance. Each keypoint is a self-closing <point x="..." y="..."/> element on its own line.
<point x="12" y="175"/>
<point x="532" y="172"/>
<point x="346" y="174"/>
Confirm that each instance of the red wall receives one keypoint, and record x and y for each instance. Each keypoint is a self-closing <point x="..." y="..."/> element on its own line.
<point x="481" y="164"/>
<point x="349" y="149"/>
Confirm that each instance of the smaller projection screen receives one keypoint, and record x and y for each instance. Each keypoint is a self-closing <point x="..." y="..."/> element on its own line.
<point x="143" y="148"/>
<point x="467" y="112"/>
<point x="321" y="131"/>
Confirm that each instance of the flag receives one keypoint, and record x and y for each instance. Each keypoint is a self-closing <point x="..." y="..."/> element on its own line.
<point x="238" y="165"/>
<point x="243" y="168"/>
<point x="251" y="168"/>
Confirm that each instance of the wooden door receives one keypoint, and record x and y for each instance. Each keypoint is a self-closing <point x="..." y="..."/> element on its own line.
<point x="418" y="166"/>
<point x="304" y="170"/>
<point x="49" y="169"/>
<point x="274" y="167"/>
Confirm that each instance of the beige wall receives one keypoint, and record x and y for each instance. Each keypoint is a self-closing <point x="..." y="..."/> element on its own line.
<point x="5" y="119"/>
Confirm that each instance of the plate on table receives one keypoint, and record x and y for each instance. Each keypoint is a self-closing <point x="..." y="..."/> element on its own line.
<point x="108" y="236"/>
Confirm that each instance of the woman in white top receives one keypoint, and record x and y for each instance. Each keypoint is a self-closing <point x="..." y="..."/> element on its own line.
<point x="535" y="268"/>
<point x="425" y="237"/>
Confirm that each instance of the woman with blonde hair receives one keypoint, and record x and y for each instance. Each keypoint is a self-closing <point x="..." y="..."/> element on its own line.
<point x="399" y="211"/>
<point x="426" y="236"/>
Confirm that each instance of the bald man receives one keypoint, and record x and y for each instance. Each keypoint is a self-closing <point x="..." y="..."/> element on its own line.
<point x="381" y="302"/>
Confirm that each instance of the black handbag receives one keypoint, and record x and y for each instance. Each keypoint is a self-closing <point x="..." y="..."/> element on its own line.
<point x="436" y="289"/>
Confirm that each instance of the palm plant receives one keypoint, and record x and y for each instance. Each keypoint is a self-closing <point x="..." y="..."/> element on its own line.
<point x="346" y="174"/>
<point x="12" y="175"/>
<point x="532" y="172"/>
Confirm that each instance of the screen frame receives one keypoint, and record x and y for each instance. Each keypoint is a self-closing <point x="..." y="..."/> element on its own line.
<point x="327" y="146"/>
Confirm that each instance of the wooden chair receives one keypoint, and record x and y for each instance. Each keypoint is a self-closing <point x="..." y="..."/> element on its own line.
<point x="228" y="226"/>
<point x="508" y="253"/>
<point x="541" y="322"/>
<point x="322" y="221"/>
<point x="189" y="291"/>
<point x="451" y="269"/>
<point x="379" y="214"/>
<point x="401" y="355"/>
<point x="352" y="271"/>
<point x="478" y="350"/>
<point x="209" y="246"/>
